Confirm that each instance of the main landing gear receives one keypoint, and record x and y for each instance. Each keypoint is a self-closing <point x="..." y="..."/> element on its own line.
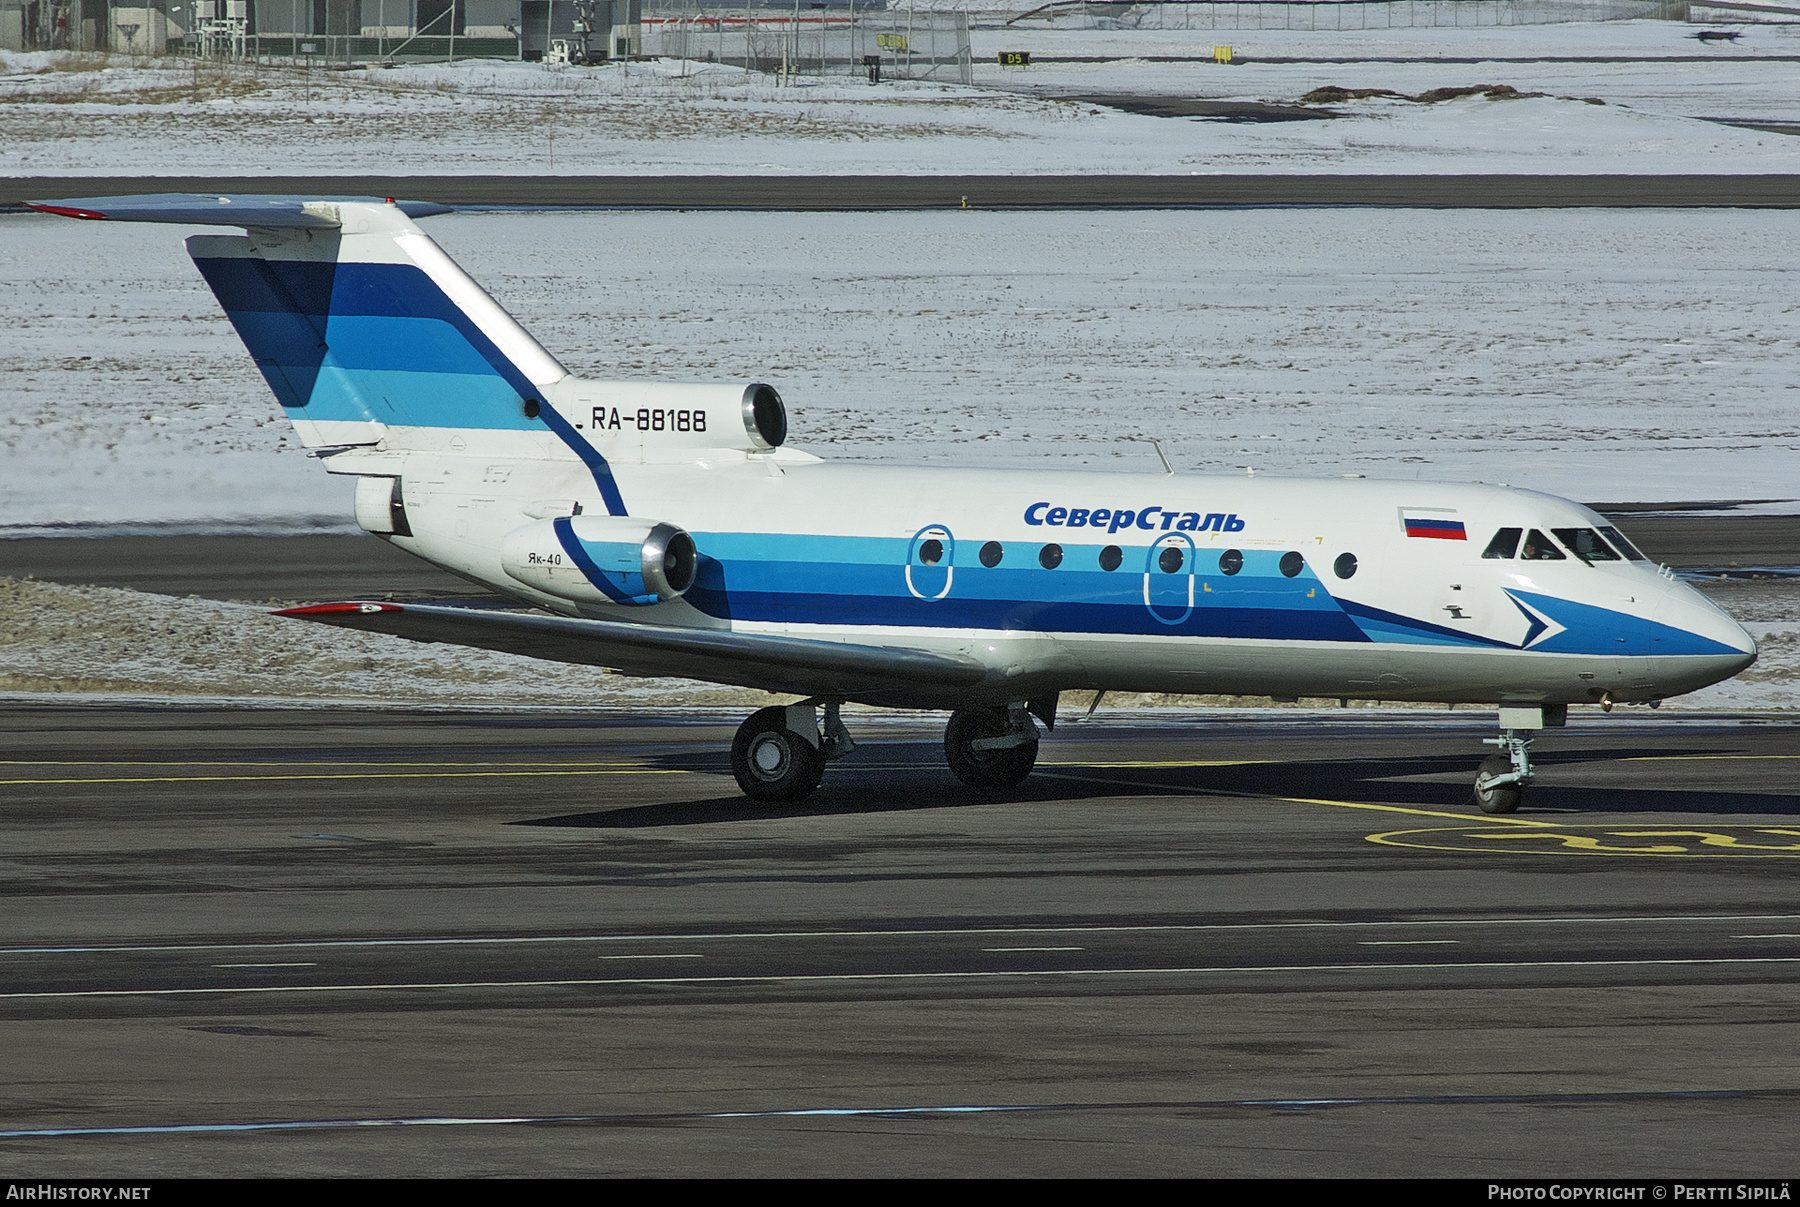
<point x="1501" y="780"/>
<point x="992" y="747"/>
<point x="779" y="754"/>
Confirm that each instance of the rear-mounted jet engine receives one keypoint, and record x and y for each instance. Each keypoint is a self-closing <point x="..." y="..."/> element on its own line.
<point x="602" y="559"/>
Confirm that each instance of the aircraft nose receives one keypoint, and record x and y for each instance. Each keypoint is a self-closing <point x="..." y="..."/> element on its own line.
<point x="1726" y="645"/>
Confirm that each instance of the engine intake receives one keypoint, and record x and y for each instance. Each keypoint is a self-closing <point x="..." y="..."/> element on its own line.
<point x="765" y="417"/>
<point x="602" y="559"/>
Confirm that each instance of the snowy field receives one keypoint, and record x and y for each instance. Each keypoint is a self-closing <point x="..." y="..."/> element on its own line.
<point x="1603" y="355"/>
<point x="1628" y="355"/>
<point x="85" y="116"/>
<point x="1608" y="356"/>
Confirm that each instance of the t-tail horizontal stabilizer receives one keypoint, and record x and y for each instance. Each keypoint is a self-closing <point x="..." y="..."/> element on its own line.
<point x="240" y="209"/>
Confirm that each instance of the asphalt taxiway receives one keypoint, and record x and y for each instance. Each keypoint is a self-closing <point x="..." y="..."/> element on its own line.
<point x="1019" y="192"/>
<point x="460" y="943"/>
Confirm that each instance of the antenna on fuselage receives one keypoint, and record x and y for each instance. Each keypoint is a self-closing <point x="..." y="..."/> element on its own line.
<point x="1157" y="445"/>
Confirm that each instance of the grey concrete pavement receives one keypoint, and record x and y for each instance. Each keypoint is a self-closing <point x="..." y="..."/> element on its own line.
<point x="1191" y="947"/>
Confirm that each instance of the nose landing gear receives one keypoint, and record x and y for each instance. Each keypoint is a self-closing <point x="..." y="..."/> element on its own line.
<point x="1500" y="782"/>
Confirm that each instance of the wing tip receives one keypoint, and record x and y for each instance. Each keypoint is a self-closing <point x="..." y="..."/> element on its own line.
<point x="66" y="211"/>
<point x="314" y="611"/>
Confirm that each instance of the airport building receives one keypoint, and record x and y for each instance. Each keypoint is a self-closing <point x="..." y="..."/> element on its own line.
<point x="324" y="29"/>
<point x="809" y="37"/>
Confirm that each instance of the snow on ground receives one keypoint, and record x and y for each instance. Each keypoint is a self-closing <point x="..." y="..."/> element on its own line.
<point x="85" y="115"/>
<point x="59" y="640"/>
<point x="1604" y="355"/>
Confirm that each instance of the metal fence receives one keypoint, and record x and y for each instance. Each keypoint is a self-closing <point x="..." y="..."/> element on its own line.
<point x="816" y="41"/>
<point x="333" y="48"/>
<point x="1317" y="15"/>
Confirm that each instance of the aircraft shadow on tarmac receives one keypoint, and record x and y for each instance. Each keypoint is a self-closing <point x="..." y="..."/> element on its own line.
<point x="891" y="781"/>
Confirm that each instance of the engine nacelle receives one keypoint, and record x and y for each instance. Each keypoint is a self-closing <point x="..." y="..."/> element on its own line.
<point x="602" y="559"/>
<point x="750" y="418"/>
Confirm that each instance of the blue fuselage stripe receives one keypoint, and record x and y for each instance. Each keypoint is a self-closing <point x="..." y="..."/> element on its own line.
<point x="791" y="578"/>
<point x="797" y="579"/>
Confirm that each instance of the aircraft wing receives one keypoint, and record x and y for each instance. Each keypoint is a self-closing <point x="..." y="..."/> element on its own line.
<point x="865" y="673"/>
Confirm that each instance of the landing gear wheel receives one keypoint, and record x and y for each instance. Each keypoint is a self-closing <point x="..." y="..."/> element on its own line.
<point x="1006" y="767"/>
<point x="1502" y="798"/>
<point x="771" y="761"/>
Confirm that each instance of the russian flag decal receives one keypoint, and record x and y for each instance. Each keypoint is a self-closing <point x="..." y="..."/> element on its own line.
<point x="1437" y="530"/>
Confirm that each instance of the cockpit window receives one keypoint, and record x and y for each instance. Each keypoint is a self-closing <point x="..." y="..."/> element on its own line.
<point x="1622" y="545"/>
<point x="1504" y="543"/>
<point x="1538" y="548"/>
<point x="1586" y="544"/>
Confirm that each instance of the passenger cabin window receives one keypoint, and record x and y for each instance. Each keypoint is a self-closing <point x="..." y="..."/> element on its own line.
<point x="1622" y="545"/>
<point x="1537" y="548"/>
<point x="1586" y="544"/>
<point x="1504" y="544"/>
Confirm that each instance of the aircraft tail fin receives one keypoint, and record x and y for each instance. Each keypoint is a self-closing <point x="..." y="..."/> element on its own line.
<point x="362" y="326"/>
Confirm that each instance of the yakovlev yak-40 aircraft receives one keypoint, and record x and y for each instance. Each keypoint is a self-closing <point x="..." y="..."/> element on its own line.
<point x="669" y="530"/>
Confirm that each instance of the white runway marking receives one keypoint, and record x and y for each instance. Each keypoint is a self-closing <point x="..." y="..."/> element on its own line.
<point x="1034" y="949"/>
<point x="876" y="934"/>
<point x="814" y="978"/>
<point x="877" y="1111"/>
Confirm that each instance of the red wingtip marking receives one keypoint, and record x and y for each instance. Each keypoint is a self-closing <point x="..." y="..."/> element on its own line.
<point x="336" y="609"/>
<point x="67" y="211"/>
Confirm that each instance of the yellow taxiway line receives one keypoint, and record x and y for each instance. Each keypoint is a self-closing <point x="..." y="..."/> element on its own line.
<point x="358" y="775"/>
<point x="1300" y="800"/>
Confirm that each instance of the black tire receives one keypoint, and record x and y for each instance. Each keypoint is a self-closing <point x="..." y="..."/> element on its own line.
<point x="771" y="761"/>
<point x="1503" y="798"/>
<point x="988" y="769"/>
